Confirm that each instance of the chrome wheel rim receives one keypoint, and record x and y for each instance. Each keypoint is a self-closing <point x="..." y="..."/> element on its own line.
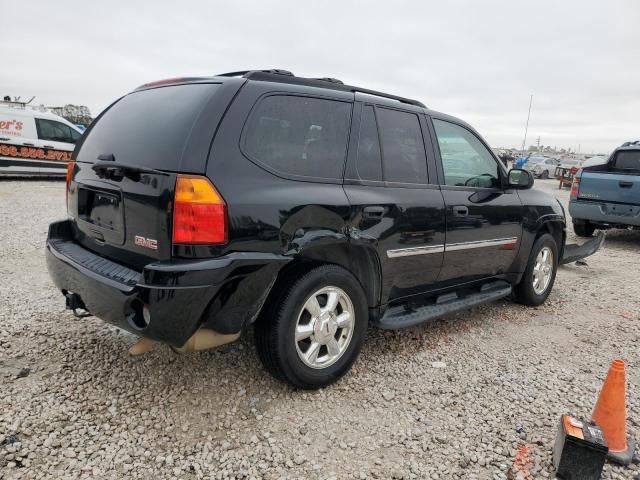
<point x="324" y="327"/>
<point x="542" y="270"/>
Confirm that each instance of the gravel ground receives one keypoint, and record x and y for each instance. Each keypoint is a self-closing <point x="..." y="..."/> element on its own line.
<point x="474" y="396"/>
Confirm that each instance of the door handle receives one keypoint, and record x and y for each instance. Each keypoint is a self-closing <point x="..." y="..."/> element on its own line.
<point x="28" y="144"/>
<point x="4" y="139"/>
<point x="460" y="211"/>
<point x="373" y="212"/>
<point x="624" y="184"/>
<point x="48" y="146"/>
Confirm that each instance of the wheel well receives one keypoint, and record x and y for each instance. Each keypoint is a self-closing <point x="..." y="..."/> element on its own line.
<point x="556" y="230"/>
<point x="361" y="262"/>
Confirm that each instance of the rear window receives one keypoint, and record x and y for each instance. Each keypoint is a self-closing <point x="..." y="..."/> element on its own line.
<point x="299" y="136"/>
<point x="403" y="153"/>
<point x="149" y="128"/>
<point x="369" y="158"/>
<point x="627" y="160"/>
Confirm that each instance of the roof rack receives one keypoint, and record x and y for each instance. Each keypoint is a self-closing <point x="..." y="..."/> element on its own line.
<point x="244" y="73"/>
<point x="285" y="76"/>
<point x="16" y="103"/>
<point x="628" y="144"/>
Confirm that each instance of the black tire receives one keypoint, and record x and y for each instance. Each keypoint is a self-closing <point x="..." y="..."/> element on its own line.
<point x="544" y="175"/>
<point x="275" y="329"/>
<point x="583" y="228"/>
<point x="525" y="291"/>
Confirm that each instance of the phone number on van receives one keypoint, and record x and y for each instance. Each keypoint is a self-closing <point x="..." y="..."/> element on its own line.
<point x="32" y="152"/>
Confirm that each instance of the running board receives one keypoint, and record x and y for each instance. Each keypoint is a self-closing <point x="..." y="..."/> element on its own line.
<point x="402" y="316"/>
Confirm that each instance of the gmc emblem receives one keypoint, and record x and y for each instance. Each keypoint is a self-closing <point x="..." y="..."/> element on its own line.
<point x="145" y="242"/>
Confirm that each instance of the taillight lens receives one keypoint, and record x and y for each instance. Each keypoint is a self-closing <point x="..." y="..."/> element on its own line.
<point x="199" y="212"/>
<point x="575" y="185"/>
<point x="68" y="181"/>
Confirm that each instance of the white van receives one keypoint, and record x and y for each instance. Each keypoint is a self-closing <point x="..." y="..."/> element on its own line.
<point x="34" y="142"/>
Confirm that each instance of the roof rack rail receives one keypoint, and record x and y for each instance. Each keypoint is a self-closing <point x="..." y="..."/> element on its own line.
<point x="329" y="79"/>
<point x="242" y="73"/>
<point x="633" y="142"/>
<point x="332" y="83"/>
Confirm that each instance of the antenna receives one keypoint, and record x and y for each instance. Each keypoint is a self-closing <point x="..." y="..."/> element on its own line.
<point x="526" y="128"/>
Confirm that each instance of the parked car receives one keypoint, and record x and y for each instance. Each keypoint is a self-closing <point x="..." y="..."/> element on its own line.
<point x="570" y="163"/>
<point x="606" y="192"/>
<point x="305" y="207"/>
<point x="33" y="142"/>
<point x="542" y="167"/>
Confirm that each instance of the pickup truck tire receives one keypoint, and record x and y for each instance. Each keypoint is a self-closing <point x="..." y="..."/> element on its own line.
<point x="538" y="278"/>
<point x="583" y="228"/>
<point x="313" y="327"/>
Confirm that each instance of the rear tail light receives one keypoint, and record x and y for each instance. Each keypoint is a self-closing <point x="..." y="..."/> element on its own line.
<point x="68" y="181"/>
<point x="575" y="185"/>
<point x="199" y="212"/>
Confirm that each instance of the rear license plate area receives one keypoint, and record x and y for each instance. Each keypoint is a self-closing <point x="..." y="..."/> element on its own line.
<point x="101" y="209"/>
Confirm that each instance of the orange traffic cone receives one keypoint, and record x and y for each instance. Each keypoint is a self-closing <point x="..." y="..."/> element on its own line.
<point x="610" y="415"/>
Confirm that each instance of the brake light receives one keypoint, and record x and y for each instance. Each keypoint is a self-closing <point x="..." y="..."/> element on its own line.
<point x="199" y="212"/>
<point x="575" y="185"/>
<point x="68" y="182"/>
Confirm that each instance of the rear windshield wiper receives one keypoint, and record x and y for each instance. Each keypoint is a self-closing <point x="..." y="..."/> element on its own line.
<point x="107" y="167"/>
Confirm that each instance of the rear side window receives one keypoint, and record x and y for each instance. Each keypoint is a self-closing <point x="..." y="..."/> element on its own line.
<point x="299" y="136"/>
<point x="403" y="153"/>
<point x="369" y="158"/>
<point x="149" y="128"/>
<point x="627" y="160"/>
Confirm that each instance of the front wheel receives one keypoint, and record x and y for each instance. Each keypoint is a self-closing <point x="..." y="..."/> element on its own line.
<point x="540" y="274"/>
<point x="313" y="328"/>
<point x="544" y="175"/>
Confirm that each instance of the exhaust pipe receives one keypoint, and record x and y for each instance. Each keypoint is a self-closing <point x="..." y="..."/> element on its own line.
<point x="73" y="301"/>
<point x="204" y="339"/>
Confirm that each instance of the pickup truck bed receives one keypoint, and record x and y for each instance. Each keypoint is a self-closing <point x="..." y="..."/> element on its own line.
<point x="608" y="196"/>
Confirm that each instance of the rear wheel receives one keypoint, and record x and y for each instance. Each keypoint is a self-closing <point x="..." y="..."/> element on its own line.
<point x="540" y="274"/>
<point x="583" y="228"/>
<point x="544" y="175"/>
<point x="313" y="328"/>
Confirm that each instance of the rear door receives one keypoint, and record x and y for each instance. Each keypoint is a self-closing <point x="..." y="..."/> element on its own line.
<point x="122" y="188"/>
<point x="484" y="221"/>
<point x="394" y="207"/>
<point x="618" y="182"/>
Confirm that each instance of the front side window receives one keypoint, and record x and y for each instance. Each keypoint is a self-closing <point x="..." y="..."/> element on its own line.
<point x="465" y="160"/>
<point x="54" y="131"/>
<point x="403" y="153"/>
<point x="300" y="136"/>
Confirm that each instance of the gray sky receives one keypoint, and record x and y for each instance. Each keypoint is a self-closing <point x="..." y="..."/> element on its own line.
<point x="479" y="60"/>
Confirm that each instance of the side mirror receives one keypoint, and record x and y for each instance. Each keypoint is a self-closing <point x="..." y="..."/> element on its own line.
<point x="520" y="179"/>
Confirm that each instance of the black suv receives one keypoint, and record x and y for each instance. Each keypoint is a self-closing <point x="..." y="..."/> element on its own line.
<point x="307" y="208"/>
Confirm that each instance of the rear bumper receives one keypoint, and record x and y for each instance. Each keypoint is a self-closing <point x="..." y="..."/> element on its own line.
<point x="606" y="213"/>
<point x="572" y="252"/>
<point x="224" y="294"/>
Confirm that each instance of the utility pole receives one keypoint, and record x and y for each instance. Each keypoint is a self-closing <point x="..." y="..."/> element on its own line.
<point x="526" y="128"/>
<point x="538" y="142"/>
